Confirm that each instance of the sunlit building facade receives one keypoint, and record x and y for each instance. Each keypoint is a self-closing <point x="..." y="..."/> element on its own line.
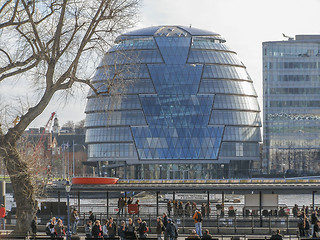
<point x="174" y="103"/>
<point x="291" y="83"/>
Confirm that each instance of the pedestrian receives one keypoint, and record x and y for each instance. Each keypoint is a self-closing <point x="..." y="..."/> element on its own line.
<point x="121" y="204"/>
<point x="122" y="230"/>
<point x="88" y="229"/>
<point x="131" y="230"/>
<point x="197" y="217"/>
<point x="180" y="209"/>
<point x="59" y="229"/>
<point x="50" y="227"/>
<point x="105" y="229"/>
<point x="97" y="230"/>
<point x="34" y="227"/>
<point x="208" y="209"/>
<point x="316" y="230"/>
<point x="206" y="235"/>
<point x="169" y="207"/>
<point x="160" y="228"/>
<point x="142" y="228"/>
<point x="92" y="217"/>
<point x="314" y="220"/>
<point x="301" y="224"/>
<point x="193" y="235"/>
<point x="276" y="235"/>
<point x="112" y="228"/>
<point x="74" y="220"/>
<point x="203" y="209"/>
<point x="170" y="230"/>
<point x="187" y="209"/>
<point x="3" y="217"/>
<point x="165" y="222"/>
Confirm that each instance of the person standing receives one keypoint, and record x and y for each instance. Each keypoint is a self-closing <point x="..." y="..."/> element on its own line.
<point x="165" y="223"/>
<point x="112" y="228"/>
<point x="34" y="227"/>
<point x="142" y="229"/>
<point x="97" y="230"/>
<point x="169" y="207"/>
<point x="197" y="217"/>
<point x="131" y="230"/>
<point x="276" y="235"/>
<point x="122" y="230"/>
<point x="2" y="217"/>
<point x="92" y="217"/>
<point x="105" y="229"/>
<point x="171" y="230"/>
<point x="88" y="229"/>
<point x="59" y="229"/>
<point x="74" y="219"/>
<point x="160" y="228"/>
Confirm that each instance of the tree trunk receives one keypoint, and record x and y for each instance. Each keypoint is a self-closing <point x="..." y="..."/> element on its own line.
<point x="23" y="187"/>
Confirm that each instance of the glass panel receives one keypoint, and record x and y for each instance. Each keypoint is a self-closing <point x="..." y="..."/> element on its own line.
<point x="114" y="134"/>
<point x="210" y="56"/>
<point x="235" y="102"/>
<point x="113" y="103"/>
<point x="111" y="151"/>
<point x="234" y="149"/>
<point x="223" y="117"/>
<point x="251" y="134"/>
<point x="228" y="72"/>
<point x="227" y="87"/>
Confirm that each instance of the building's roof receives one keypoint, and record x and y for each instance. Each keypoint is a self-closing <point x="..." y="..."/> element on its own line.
<point x="168" y="31"/>
<point x="302" y="38"/>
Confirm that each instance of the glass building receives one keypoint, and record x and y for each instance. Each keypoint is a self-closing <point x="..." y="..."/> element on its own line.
<point x="291" y="83"/>
<point x="174" y="103"/>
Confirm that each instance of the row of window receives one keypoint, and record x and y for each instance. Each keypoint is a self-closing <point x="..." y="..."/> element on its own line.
<point x="227" y="72"/>
<point x="291" y="103"/>
<point x="139" y="43"/>
<point x="129" y="57"/>
<point x="209" y="56"/>
<point x="298" y="78"/>
<point x="293" y="65"/>
<point x="112" y="150"/>
<point x="227" y="87"/>
<point x="250" y="134"/>
<point x="291" y="49"/>
<point x="111" y="134"/>
<point x="223" y="117"/>
<point x="236" y="102"/>
<point x="113" y="103"/>
<point x="129" y="71"/>
<point x="208" y="43"/>
<point x="295" y="90"/>
<point x="116" y="118"/>
<point x="293" y="116"/>
<point x="234" y="149"/>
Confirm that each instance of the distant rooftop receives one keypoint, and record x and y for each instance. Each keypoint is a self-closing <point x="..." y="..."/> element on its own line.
<point x="311" y="38"/>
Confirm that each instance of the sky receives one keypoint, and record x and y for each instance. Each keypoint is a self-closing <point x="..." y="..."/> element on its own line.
<point x="245" y="24"/>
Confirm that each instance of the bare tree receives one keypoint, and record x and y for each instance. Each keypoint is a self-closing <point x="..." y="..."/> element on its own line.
<point x="49" y="43"/>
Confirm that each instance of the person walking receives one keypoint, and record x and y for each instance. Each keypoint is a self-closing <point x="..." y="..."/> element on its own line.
<point x="88" y="229"/>
<point x="169" y="207"/>
<point x="3" y="217"/>
<point x="197" y="217"/>
<point x="276" y="235"/>
<point x="59" y="229"/>
<point x="170" y="230"/>
<point x="160" y="228"/>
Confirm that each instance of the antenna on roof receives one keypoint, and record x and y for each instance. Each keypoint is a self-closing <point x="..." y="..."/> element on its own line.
<point x="288" y="37"/>
<point x="190" y="25"/>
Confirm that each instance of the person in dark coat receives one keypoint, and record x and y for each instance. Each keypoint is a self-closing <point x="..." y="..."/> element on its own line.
<point x="171" y="229"/>
<point x="131" y="230"/>
<point x="122" y="230"/>
<point x="112" y="228"/>
<point x="276" y="235"/>
<point x="92" y="217"/>
<point x="165" y="222"/>
<point x="206" y="235"/>
<point x="97" y="230"/>
<point x="34" y="227"/>
<point x="142" y="228"/>
<point x="160" y="228"/>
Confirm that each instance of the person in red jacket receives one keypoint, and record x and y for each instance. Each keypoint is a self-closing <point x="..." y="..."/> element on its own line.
<point x="2" y="216"/>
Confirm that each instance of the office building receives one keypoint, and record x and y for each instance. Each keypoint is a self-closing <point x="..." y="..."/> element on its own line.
<point x="291" y="86"/>
<point x="175" y="102"/>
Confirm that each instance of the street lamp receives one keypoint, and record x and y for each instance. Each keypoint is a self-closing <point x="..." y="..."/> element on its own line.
<point x="68" y="188"/>
<point x="160" y="171"/>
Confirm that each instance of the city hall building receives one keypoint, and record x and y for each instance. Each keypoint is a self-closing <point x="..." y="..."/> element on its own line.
<point x="174" y="103"/>
<point x="291" y="86"/>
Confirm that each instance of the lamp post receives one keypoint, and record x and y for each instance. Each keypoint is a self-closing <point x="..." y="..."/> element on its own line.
<point x="160" y="171"/>
<point x="68" y="188"/>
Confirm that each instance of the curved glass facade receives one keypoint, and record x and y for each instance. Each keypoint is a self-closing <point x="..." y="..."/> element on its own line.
<point x="174" y="102"/>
